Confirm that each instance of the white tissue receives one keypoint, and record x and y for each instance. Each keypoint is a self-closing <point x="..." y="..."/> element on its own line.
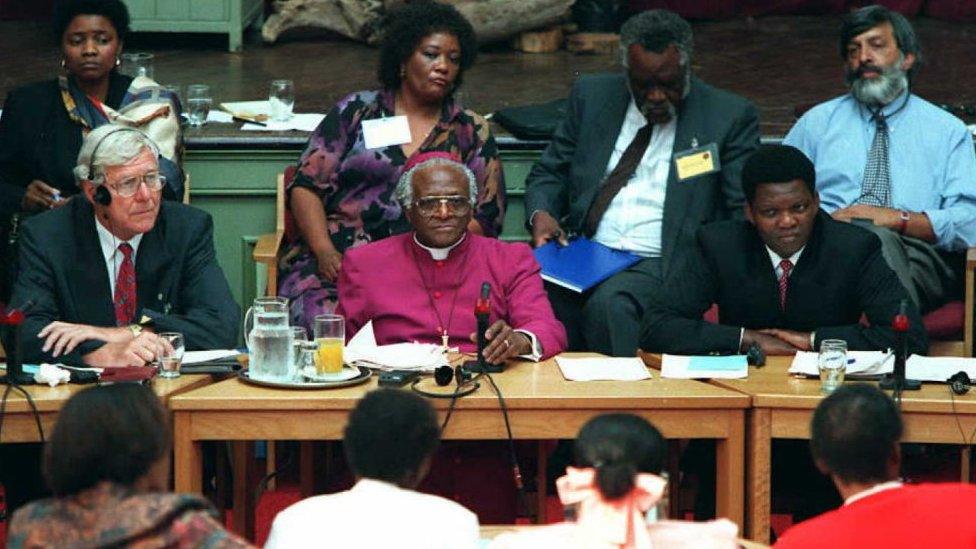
<point x="52" y="375"/>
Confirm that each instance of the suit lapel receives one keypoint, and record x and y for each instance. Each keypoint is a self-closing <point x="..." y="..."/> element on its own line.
<point x="678" y="195"/>
<point x="89" y="280"/>
<point x="604" y="134"/>
<point x="152" y="262"/>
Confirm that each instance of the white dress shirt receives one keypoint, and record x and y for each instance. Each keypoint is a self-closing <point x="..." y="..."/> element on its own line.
<point x="891" y="484"/>
<point x="110" y="251"/>
<point x="440" y="254"/>
<point x="635" y="216"/>
<point x="375" y="514"/>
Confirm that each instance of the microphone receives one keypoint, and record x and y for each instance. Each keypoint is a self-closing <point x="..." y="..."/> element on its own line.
<point x="482" y="310"/>
<point x="12" y="320"/>
<point x="896" y="380"/>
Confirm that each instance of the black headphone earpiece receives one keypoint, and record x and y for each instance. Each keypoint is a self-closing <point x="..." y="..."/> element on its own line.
<point x="960" y="383"/>
<point x="443" y="376"/>
<point x="103" y="196"/>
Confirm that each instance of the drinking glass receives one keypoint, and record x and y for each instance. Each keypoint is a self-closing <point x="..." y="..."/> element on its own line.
<point x="330" y="336"/>
<point x="282" y="99"/>
<point x="137" y="64"/>
<point x="198" y="102"/>
<point x="832" y="362"/>
<point x="171" y="359"/>
<point x="300" y="338"/>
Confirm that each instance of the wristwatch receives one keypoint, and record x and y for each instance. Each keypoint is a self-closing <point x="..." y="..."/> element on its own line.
<point x="904" y="218"/>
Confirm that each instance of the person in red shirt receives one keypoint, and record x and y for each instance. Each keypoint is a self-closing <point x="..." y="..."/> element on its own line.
<point x="855" y="439"/>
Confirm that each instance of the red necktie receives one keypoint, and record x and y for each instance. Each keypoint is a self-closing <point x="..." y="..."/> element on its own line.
<point x="125" y="288"/>
<point x="784" y="281"/>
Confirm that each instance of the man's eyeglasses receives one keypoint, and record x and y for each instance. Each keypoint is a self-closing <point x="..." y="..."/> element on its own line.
<point x="128" y="186"/>
<point x="456" y="205"/>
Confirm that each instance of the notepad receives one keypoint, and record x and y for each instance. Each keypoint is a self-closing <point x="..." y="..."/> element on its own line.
<point x="602" y="369"/>
<point x="582" y="264"/>
<point x="704" y="367"/>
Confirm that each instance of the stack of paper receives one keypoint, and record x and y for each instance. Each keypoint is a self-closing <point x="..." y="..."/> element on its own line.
<point x="860" y="364"/>
<point x="362" y="350"/>
<point x="704" y="367"/>
<point x="602" y="369"/>
<point x="938" y="368"/>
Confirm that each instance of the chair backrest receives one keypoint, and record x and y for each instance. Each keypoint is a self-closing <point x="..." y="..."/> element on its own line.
<point x="285" y="218"/>
<point x="281" y="222"/>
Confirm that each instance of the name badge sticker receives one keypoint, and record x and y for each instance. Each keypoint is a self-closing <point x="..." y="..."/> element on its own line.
<point x="697" y="161"/>
<point x="383" y="132"/>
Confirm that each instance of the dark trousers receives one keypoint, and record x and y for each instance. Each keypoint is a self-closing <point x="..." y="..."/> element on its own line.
<point x="607" y="318"/>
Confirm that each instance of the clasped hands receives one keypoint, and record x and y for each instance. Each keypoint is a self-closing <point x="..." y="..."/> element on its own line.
<point x="503" y="343"/>
<point x="120" y="349"/>
<point x="774" y="341"/>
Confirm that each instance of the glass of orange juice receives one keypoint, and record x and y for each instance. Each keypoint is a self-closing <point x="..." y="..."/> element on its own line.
<point x="330" y="337"/>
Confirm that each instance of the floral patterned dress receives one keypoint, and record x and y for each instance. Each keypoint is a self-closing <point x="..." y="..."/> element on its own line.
<point x="356" y="186"/>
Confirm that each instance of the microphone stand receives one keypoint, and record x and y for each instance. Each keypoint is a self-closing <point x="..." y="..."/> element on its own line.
<point x="12" y="322"/>
<point x="482" y="309"/>
<point x="896" y="380"/>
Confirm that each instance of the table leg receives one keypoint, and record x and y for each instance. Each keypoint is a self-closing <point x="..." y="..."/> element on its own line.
<point x="730" y="470"/>
<point x="759" y="474"/>
<point x="188" y="456"/>
<point x="242" y="463"/>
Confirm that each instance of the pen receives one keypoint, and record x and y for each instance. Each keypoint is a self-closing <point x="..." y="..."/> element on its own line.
<point x="249" y="120"/>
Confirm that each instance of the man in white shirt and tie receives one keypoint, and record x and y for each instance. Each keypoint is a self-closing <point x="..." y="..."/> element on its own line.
<point x="643" y="158"/>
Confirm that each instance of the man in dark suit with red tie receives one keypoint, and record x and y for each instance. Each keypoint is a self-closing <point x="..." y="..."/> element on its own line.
<point x="642" y="159"/>
<point x="785" y="279"/>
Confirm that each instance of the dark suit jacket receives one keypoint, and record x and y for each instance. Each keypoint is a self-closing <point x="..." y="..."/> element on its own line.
<point x="565" y="180"/>
<point x="840" y="275"/>
<point x="178" y="282"/>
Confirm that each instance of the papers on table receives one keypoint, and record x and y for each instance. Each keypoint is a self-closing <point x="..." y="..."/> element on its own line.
<point x="867" y="364"/>
<point x="702" y="367"/>
<point x="362" y="350"/>
<point x="219" y="117"/>
<point x="305" y="122"/>
<point x="248" y="109"/>
<point x="860" y="364"/>
<point x="602" y="369"/>
<point x="196" y="357"/>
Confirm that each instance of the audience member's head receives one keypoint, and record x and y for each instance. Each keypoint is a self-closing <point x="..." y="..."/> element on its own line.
<point x="854" y="435"/>
<point x="115" y="433"/>
<point x="391" y="436"/>
<point x="881" y="54"/>
<point x="415" y="35"/>
<point x="438" y="194"/>
<point x="618" y="447"/>
<point x="657" y="46"/>
<point x="779" y="183"/>
<point x="113" y="11"/>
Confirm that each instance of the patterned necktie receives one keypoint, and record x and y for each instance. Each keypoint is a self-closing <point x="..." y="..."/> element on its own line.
<point x="784" y="281"/>
<point x="876" y="186"/>
<point x="618" y="178"/>
<point x="125" y="288"/>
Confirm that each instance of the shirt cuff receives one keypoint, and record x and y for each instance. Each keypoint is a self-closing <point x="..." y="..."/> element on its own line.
<point x="742" y="335"/>
<point x="536" y="347"/>
<point x="813" y="341"/>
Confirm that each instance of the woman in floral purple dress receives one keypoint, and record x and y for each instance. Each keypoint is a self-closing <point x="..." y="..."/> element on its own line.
<point x="342" y="193"/>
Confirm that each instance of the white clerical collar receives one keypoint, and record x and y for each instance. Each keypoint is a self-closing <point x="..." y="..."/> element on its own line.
<point x="110" y="243"/>
<point x="873" y="490"/>
<point x="775" y="257"/>
<point x="439" y="254"/>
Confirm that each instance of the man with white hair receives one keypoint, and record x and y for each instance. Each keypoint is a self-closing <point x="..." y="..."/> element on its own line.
<point x="423" y="285"/>
<point x="643" y="158"/>
<point x="893" y="162"/>
<point x="99" y="277"/>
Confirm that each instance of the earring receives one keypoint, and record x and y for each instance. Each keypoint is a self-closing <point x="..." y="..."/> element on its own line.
<point x="118" y="61"/>
<point x="403" y="72"/>
<point x="63" y="63"/>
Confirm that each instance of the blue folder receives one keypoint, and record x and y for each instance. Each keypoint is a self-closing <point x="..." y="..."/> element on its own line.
<point x="582" y="264"/>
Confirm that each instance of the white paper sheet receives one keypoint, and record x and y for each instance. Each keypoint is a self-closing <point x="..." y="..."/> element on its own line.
<point x="938" y="368"/>
<point x="865" y="363"/>
<point x="704" y="367"/>
<point x="305" y="122"/>
<point x="362" y="350"/>
<point x="195" y="357"/>
<point x="602" y="369"/>
<point x="219" y="117"/>
<point x="248" y="109"/>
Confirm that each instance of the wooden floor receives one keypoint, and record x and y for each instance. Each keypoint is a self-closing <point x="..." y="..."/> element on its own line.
<point x="777" y="62"/>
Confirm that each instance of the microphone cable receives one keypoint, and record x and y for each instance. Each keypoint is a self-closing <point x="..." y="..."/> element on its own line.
<point x="30" y="401"/>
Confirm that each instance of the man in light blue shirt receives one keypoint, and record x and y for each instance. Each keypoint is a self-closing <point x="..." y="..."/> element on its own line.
<point x="892" y="161"/>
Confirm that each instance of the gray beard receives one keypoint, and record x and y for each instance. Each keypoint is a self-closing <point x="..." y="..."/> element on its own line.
<point x="882" y="90"/>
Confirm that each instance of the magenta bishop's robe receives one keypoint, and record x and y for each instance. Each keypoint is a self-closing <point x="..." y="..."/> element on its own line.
<point x="394" y="281"/>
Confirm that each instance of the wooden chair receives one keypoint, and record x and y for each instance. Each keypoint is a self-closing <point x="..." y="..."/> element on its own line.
<point x="947" y="319"/>
<point x="268" y="245"/>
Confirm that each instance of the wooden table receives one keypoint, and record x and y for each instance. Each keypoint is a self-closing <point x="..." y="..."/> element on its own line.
<point x="542" y="405"/>
<point x="19" y="424"/>
<point x="782" y="406"/>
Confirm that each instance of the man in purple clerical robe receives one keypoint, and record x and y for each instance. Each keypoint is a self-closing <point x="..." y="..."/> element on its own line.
<point x="423" y="285"/>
